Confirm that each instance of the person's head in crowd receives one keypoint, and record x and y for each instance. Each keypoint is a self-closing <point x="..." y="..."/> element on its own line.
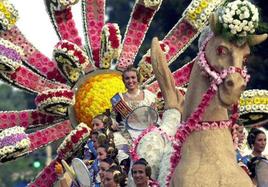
<point x="131" y="78"/>
<point x="114" y="177"/>
<point x="125" y="165"/>
<point x="105" y="137"/>
<point x="102" y="153"/>
<point x="102" y="121"/>
<point x="106" y="150"/>
<point x="105" y="164"/>
<point x="141" y="172"/>
<point x="94" y="138"/>
<point x="256" y="141"/>
<point x="252" y="165"/>
<point x="241" y="134"/>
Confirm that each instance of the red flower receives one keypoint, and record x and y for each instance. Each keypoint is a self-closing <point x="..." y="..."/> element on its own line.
<point x="74" y="138"/>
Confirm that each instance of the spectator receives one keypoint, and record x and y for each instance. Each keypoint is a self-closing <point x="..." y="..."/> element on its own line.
<point x="114" y="177"/>
<point x="257" y="141"/>
<point x="141" y="173"/>
<point x="105" y="165"/>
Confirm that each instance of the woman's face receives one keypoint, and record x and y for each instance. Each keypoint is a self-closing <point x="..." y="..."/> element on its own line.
<point x="131" y="80"/>
<point x="109" y="180"/>
<point x="103" y="167"/>
<point x="97" y="124"/>
<point x="260" y="143"/>
<point x="139" y="174"/>
<point x="94" y="138"/>
<point x="102" y="154"/>
<point x="240" y="134"/>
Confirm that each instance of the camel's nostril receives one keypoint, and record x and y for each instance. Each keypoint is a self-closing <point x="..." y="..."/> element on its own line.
<point x="243" y="87"/>
<point x="229" y="83"/>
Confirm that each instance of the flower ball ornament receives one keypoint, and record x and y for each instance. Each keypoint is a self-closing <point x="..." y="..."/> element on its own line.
<point x="55" y="101"/>
<point x="71" y="59"/>
<point x="238" y="20"/>
<point x="110" y="44"/>
<point x="253" y="106"/>
<point x="73" y="141"/>
<point x="93" y="96"/>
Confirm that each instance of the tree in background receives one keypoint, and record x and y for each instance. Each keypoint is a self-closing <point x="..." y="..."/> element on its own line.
<point x="13" y="99"/>
<point x="21" y="169"/>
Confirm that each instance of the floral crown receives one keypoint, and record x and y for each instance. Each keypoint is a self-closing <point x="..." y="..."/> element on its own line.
<point x="237" y="21"/>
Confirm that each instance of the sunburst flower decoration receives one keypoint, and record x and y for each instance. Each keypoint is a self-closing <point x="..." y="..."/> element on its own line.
<point x="77" y="82"/>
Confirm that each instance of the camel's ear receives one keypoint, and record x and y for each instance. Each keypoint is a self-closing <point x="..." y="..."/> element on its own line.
<point x="157" y="55"/>
<point x="213" y="23"/>
<point x="256" y="39"/>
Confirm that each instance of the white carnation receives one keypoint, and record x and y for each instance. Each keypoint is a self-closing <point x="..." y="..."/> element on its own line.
<point x="236" y="22"/>
<point x="233" y="31"/>
<point x="195" y="3"/>
<point x="244" y="22"/>
<point x="238" y="11"/>
<point x="246" y="14"/>
<point x="203" y="16"/>
<point x="246" y="28"/>
<point x="231" y="26"/>
<point x="252" y="31"/>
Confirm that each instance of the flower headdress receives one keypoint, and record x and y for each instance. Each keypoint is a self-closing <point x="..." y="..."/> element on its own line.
<point x="237" y="21"/>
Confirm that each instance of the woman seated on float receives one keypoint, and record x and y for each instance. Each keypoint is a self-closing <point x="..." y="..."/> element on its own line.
<point x="134" y="97"/>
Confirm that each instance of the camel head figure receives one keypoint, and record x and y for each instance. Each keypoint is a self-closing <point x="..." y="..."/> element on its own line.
<point x="204" y="154"/>
<point x="221" y="53"/>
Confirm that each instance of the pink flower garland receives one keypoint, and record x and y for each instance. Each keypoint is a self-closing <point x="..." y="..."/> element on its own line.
<point x="133" y="151"/>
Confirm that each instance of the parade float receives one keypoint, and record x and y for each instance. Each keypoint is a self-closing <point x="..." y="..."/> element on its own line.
<point x="77" y="82"/>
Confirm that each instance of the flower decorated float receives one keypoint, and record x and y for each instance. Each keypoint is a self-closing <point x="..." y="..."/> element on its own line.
<point x="13" y="141"/>
<point x="253" y="107"/>
<point x="215" y="84"/>
<point x="77" y="83"/>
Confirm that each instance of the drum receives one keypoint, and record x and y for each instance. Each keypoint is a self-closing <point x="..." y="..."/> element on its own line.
<point x="81" y="172"/>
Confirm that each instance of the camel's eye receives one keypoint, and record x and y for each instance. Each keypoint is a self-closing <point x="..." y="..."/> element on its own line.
<point x="221" y="50"/>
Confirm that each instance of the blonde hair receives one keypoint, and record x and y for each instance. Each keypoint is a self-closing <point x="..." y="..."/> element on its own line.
<point x="105" y="119"/>
<point x="129" y="69"/>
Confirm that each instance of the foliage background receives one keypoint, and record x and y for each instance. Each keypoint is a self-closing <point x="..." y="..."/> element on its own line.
<point x="119" y="11"/>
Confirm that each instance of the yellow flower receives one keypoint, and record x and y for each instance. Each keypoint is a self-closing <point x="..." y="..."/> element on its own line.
<point x="93" y="97"/>
<point x="192" y="16"/>
<point x="242" y="102"/>
<point x="249" y="101"/>
<point x="198" y="10"/>
<point x="257" y="100"/>
<point x="204" y="4"/>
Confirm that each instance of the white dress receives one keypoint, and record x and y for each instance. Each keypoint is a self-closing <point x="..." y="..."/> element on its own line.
<point x="149" y="99"/>
<point x="156" y="149"/>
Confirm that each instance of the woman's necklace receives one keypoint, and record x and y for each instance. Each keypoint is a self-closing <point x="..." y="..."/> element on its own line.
<point x="133" y="96"/>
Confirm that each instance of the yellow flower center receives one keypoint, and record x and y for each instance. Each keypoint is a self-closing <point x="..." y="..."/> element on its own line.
<point x="93" y="96"/>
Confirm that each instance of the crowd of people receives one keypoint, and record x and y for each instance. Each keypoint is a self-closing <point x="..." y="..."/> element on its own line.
<point x="106" y="153"/>
<point x="256" y="140"/>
